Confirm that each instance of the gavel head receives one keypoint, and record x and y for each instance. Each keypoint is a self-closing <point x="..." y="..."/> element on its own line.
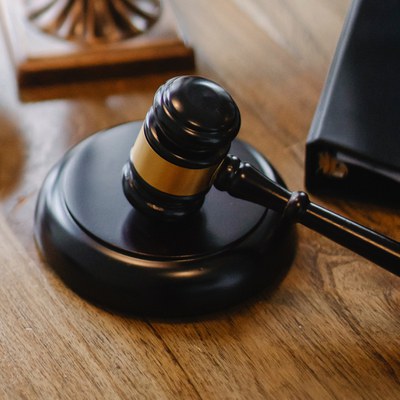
<point x="184" y="138"/>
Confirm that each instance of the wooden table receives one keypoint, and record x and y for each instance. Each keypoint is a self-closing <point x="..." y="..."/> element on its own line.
<point x="332" y="328"/>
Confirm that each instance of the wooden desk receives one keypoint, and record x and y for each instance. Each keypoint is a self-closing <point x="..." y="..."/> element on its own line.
<point x="332" y="328"/>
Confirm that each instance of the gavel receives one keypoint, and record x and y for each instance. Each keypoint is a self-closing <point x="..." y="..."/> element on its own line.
<point x="176" y="159"/>
<point x="165" y="242"/>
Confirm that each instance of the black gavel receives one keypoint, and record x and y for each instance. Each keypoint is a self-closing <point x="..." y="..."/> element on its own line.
<point x="182" y="150"/>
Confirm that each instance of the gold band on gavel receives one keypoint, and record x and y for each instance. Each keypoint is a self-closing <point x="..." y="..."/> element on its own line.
<point x="165" y="176"/>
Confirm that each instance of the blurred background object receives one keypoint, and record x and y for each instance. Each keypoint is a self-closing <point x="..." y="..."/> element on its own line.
<point x="53" y="41"/>
<point x="353" y="145"/>
<point x="94" y="21"/>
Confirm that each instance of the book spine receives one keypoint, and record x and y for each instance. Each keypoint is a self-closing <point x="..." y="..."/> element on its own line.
<point x="315" y="152"/>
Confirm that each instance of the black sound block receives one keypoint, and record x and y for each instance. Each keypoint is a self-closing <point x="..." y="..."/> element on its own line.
<point x="119" y="259"/>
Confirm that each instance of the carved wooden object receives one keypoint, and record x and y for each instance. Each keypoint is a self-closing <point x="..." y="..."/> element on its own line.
<point x="54" y="41"/>
<point x="92" y="21"/>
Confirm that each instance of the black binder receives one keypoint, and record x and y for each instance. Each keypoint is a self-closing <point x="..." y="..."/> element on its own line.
<point x="353" y="145"/>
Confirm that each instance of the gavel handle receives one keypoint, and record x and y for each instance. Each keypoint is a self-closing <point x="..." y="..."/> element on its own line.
<point x="243" y="181"/>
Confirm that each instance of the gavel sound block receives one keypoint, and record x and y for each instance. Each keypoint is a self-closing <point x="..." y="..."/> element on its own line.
<point x="146" y="232"/>
<point x="121" y="258"/>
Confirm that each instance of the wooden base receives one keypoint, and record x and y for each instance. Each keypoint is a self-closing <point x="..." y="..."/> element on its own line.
<point x="42" y="59"/>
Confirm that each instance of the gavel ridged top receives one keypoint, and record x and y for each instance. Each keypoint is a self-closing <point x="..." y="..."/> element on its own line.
<point x="192" y="122"/>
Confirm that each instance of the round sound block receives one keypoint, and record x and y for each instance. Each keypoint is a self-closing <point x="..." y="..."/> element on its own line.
<point x="114" y="256"/>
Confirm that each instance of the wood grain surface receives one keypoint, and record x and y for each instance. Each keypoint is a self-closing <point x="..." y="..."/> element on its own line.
<point x="332" y="328"/>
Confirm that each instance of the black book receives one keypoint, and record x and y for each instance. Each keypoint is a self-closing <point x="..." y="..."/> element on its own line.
<point x="354" y="142"/>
